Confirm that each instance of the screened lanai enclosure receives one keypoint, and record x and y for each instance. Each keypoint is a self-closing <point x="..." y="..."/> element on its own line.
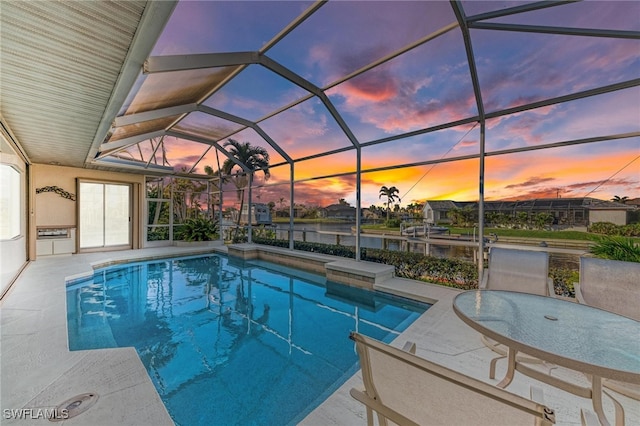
<point x="451" y="98"/>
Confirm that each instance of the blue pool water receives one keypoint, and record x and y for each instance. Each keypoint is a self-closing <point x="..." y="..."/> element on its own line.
<point x="229" y="342"/>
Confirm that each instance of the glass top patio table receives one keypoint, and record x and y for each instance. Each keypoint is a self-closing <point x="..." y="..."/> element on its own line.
<point x="569" y="334"/>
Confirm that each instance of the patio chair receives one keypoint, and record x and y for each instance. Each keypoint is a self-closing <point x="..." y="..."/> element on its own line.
<point x="613" y="286"/>
<point x="405" y="389"/>
<point x="526" y="271"/>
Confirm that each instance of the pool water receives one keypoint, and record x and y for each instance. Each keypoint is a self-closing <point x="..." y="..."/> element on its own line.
<point x="230" y="342"/>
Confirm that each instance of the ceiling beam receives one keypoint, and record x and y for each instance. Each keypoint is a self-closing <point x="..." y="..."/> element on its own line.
<point x="170" y="63"/>
<point x="155" y="114"/>
<point x="311" y="88"/>
<point x="475" y="81"/>
<point x="132" y="140"/>
<point x="293" y="25"/>
<point x="246" y="123"/>
<point x="121" y="162"/>
<point x="395" y="54"/>
<point x="488" y="154"/>
<point x="567" y="98"/>
<point x="208" y="141"/>
<point x="585" y="32"/>
<point x="527" y="7"/>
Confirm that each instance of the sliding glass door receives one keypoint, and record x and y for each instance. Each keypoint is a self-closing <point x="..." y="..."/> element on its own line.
<point x="105" y="215"/>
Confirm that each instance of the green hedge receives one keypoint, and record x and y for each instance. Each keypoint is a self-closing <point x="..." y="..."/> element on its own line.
<point x="608" y="228"/>
<point x="450" y="272"/>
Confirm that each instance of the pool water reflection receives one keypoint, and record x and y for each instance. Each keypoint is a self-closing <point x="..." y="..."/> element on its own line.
<point x="232" y="342"/>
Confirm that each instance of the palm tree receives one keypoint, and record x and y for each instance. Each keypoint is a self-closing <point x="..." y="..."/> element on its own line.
<point x="391" y="194"/>
<point x="619" y="199"/>
<point x="253" y="157"/>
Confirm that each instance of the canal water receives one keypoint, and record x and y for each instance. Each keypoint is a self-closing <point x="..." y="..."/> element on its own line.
<point x="335" y="233"/>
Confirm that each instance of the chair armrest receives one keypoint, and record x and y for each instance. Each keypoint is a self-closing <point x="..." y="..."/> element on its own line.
<point x="537" y="396"/>
<point x="386" y="412"/>
<point x="550" y="287"/>
<point x="578" y="290"/>
<point x="485" y="279"/>
<point x="410" y="347"/>
<point x="588" y="418"/>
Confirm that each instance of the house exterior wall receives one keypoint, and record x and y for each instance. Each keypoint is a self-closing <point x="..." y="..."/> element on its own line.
<point x="618" y="217"/>
<point x="429" y="214"/>
<point x="51" y="210"/>
<point x="434" y="216"/>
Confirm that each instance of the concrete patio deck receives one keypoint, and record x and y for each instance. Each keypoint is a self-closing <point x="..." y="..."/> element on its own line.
<point x="38" y="371"/>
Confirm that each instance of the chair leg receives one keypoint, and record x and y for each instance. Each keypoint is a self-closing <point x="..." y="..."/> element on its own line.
<point x="511" y="369"/>
<point x="492" y="366"/>
<point x="619" y="410"/>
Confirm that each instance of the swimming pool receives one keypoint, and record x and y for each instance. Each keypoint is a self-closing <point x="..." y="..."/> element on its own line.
<point x="232" y="342"/>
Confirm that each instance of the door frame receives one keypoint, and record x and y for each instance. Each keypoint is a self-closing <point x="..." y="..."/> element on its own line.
<point x="129" y="245"/>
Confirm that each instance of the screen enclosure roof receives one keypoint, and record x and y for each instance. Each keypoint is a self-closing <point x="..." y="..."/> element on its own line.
<point x="309" y="79"/>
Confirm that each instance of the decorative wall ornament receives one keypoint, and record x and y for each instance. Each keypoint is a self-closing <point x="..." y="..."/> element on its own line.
<point x="61" y="192"/>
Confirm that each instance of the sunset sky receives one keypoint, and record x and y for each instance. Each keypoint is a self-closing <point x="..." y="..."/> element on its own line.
<point x="424" y="87"/>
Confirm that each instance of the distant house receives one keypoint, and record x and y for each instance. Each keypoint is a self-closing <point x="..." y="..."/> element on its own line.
<point x="635" y="202"/>
<point x="261" y="214"/>
<point x="368" y="214"/>
<point x="340" y="211"/>
<point x="436" y="211"/>
<point x="566" y="211"/>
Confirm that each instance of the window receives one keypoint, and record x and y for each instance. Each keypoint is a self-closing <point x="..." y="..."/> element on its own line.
<point x="10" y="202"/>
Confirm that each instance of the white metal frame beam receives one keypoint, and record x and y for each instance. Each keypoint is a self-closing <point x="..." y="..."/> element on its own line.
<point x="458" y="10"/>
<point x="154" y="114"/>
<point x="585" y="32"/>
<point x="250" y="124"/>
<point x="207" y="141"/>
<point x="132" y="164"/>
<point x="527" y="7"/>
<point x="171" y="63"/>
<point x="109" y="147"/>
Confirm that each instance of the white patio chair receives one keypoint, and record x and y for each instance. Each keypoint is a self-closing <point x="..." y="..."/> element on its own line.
<point x="613" y="286"/>
<point x="526" y="271"/>
<point x="405" y="389"/>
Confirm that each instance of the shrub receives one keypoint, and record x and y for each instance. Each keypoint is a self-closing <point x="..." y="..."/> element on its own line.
<point x="631" y="230"/>
<point x="262" y="231"/>
<point x="332" y="249"/>
<point x="450" y="272"/>
<point x="608" y="228"/>
<point x="616" y="248"/>
<point x="563" y="280"/>
<point x="392" y="223"/>
<point x="199" y="229"/>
